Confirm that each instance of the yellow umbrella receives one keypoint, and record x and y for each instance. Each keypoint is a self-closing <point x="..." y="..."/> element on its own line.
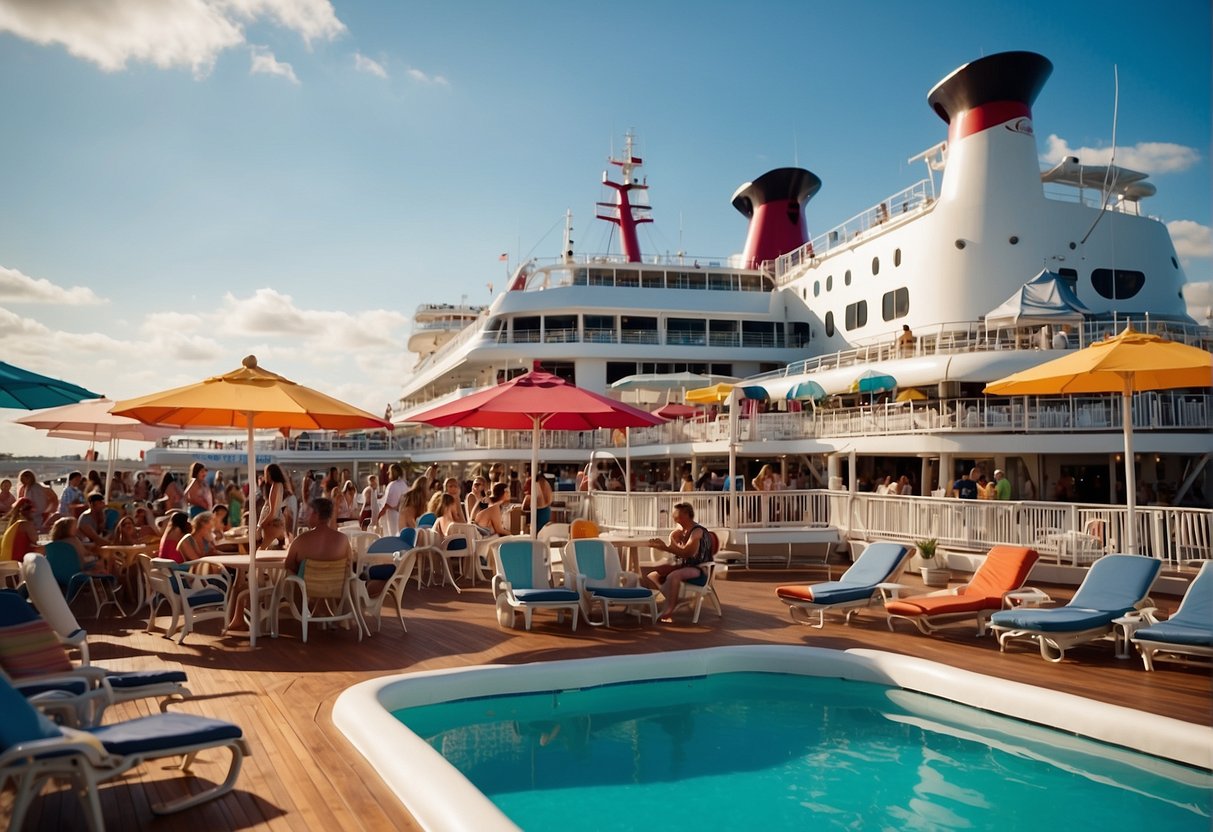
<point x="911" y="394"/>
<point x="249" y="398"/>
<point x="715" y="394"/>
<point x="1126" y="363"/>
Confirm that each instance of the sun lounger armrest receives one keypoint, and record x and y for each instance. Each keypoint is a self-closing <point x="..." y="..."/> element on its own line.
<point x="70" y="743"/>
<point x="1146" y="614"/>
<point x="501" y="585"/>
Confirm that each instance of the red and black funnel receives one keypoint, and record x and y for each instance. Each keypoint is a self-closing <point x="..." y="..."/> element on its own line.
<point x="990" y="91"/>
<point x="774" y="205"/>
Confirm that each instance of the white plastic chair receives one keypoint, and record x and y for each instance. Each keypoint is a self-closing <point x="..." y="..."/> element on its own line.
<point x="371" y="606"/>
<point x="522" y="584"/>
<point x="191" y="598"/>
<point x="592" y="568"/>
<point x="326" y="596"/>
<point x="459" y="545"/>
<point x="693" y="595"/>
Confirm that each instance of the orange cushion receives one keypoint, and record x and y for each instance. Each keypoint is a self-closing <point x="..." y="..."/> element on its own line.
<point x="582" y="529"/>
<point x="798" y="593"/>
<point x="941" y="604"/>
<point x="1005" y="569"/>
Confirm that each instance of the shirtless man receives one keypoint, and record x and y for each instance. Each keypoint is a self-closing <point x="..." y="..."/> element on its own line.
<point x="321" y="541"/>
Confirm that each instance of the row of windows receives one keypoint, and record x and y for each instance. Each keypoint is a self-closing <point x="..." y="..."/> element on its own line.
<point x="1113" y="284"/>
<point x="646" y="329"/>
<point x="846" y="278"/>
<point x="615" y="370"/>
<point x="660" y="279"/>
<point x="893" y="305"/>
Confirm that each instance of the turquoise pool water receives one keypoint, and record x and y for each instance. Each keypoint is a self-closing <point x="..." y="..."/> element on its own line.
<point x="750" y="750"/>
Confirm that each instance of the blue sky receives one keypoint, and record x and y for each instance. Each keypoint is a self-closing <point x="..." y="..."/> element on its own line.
<point x="185" y="181"/>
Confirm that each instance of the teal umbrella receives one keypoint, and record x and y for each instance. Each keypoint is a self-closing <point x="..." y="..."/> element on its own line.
<point x="24" y="390"/>
<point x="806" y="391"/>
<point x="756" y="392"/>
<point x="870" y="381"/>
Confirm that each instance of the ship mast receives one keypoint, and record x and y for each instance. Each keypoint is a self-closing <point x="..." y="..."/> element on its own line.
<point x="566" y="252"/>
<point x="622" y="212"/>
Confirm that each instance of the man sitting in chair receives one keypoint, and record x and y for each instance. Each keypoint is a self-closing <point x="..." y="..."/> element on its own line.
<point x="321" y="541"/>
<point x="691" y="546"/>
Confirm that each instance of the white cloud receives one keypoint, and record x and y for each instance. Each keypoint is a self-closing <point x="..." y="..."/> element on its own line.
<point x="264" y="63"/>
<point x="1192" y="240"/>
<point x="163" y="33"/>
<point x="425" y="78"/>
<point x="364" y="64"/>
<point x="16" y="287"/>
<point x="1199" y="297"/>
<point x="1149" y="157"/>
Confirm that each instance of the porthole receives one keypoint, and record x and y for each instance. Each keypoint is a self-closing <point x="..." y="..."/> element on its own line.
<point x="875" y="266"/>
<point x="960" y="244"/>
<point x="816" y="288"/>
<point x="1117" y="284"/>
<point x="1073" y="246"/>
<point x="829" y="324"/>
<point x="1014" y="240"/>
<point x="896" y="258"/>
<point x="846" y="278"/>
<point x="830" y="283"/>
<point x="1174" y="262"/>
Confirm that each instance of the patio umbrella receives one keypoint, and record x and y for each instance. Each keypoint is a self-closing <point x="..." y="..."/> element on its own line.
<point x="715" y="394"/>
<point x="668" y="381"/>
<point x="673" y="410"/>
<point x="870" y="381"/>
<point x="25" y="390"/>
<point x="249" y="398"/>
<point x="755" y="392"/>
<point x="90" y="421"/>
<point x="911" y="394"/>
<point x="806" y="391"/>
<point x="536" y="401"/>
<point x="1126" y="363"/>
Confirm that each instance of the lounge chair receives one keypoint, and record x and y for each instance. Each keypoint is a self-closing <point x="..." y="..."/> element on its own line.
<point x="45" y="594"/>
<point x="592" y="566"/>
<point x="1004" y="570"/>
<point x="1115" y="585"/>
<point x="523" y="584"/>
<point x="1189" y="632"/>
<point x="881" y="562"/>
<point x="33" y="751"/>
<point x="32" y="655"/>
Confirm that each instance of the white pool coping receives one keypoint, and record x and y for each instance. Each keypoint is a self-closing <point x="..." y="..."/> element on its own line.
<point x="440" y="798"/>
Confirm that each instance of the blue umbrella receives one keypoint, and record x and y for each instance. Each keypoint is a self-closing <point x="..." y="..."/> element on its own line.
<point x="806" y="391"/>
<point x="871" y="381"/>
<point x="755" y="392"/>
<point x="29" y="391"/>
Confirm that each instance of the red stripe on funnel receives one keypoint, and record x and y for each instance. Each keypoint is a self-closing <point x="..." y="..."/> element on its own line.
<point x="985" y="116"/>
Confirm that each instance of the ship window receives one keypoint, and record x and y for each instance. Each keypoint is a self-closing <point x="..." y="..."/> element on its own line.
<point x="1174" y="262"/>
<point x="721" y="369"/>
<point x="1070" y="275"/>
<point x="686" y="331"/>
<point x="615" y="370"/>
<point x="638" y="329"/>
<point x="564" y="369"/>
<point x="602" y="277"/>
<point x="830" y="283"/>
<point x="629" y="280"/>
<point x="896" y="258"/>
<point x="758" y="334"/>
<point x="560" y="329"/>
<point x="875" y="266"/>
<point x="816" y="288"/>
<point x="829" y="324"/>
<point x="723" y="333"/>
<point x="653" y="280"/>
<point x="720" y="282"/>
<point x="846" y="278"/>
<point x="581" y="277"/>
<point x="753" y="283"/>
<point x="1117" y="284"/>
<point x="857" y="315"/>
<point x="895" y="304"/>
<point x="526" y="330"/>
<point x="600" y="329"/>
<point x="798" y="334"/>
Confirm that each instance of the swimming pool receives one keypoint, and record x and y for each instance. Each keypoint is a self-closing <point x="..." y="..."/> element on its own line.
<point x="884" y="753"/>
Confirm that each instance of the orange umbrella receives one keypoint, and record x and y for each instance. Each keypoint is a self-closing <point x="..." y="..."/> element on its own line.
<point x="250" y="398"/>
<point x="1126" y="363"/>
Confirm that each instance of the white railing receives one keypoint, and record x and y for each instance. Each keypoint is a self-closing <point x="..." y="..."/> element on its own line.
<point x="1067" y="532"/>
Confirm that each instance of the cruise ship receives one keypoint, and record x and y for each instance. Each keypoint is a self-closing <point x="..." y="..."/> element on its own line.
<point x="979" y="265"/>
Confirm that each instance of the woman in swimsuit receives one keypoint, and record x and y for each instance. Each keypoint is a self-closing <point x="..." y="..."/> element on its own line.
<point x="275" y="482"/>
<point x="492" y="519"/>
<point x="200" y="541"/>
<point x="178" y="526"/>
<point x="477" y="499"/>
<point x="21" y="536"/>
<point x="198" y="493"/>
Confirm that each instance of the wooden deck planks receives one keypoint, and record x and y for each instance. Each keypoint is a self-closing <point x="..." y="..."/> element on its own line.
<point x="303" y="774"/>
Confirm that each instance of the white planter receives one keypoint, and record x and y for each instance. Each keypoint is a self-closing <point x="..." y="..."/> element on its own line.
<point x="935" y="576"/>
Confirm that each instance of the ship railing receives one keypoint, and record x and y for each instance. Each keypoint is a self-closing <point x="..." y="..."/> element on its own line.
<point x="890" y="211"/>
<point x="1180" y="537"/>
<point x="469" y="332"/>
<point x="1091" y="198"/>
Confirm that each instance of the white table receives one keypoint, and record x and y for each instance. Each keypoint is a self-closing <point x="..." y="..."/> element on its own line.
<point x="891" y="591"/>
<point x="630" y="546"/>
<point x="1123" y="629"/>
<point x="1027" y="598"/>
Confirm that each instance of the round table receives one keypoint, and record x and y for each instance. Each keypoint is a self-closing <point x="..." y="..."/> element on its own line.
<point x="269" y="562"/>
<point x="118" y="559"/>
<point x="630" y="546"/>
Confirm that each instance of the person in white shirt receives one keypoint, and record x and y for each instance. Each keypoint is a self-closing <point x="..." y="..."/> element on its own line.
<point x="370" y="502"/>
<point x="389" y="512"/>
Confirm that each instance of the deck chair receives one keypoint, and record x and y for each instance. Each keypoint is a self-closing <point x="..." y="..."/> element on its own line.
<point x="1189" y="632"/>
<point x="326" y="595"/>
<point x="1114" y="585"/>
<point x="34" y="751"/>
<point x="45" y="594"/>
<point x="34" y="659"/>
<point x="881" y="562"/>
<point x="522" y="584"/>
<point x="427" y="520"/>
<point x="394" y="581"/>
<point x="72" y="578"/>
<point x="591" y="566"/>
<point x="460" y="545"/>
<point x="1004" y="570"/>
<point x="724" y="555"/>
<point x="191" y="598"/>
<point x="694" y="592"/>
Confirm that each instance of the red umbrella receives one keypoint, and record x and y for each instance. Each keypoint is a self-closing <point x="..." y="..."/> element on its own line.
<point x="536" y="400"/>
<point x="674" y="410"/>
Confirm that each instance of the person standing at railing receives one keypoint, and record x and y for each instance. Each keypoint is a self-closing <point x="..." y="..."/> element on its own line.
<point x="1002" y="485"/>
<point x="905" y="342"/>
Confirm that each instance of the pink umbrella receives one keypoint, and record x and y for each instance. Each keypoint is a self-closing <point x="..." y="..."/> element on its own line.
<point x="673" y="410"/>
<point x="536" y="400"/>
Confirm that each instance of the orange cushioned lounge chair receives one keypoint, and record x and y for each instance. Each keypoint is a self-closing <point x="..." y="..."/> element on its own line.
<point x="1005" y="569"/>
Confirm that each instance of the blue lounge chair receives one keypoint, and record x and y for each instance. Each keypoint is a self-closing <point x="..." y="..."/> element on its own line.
<point x="1115" y="585"/>
<point x="523" y="584"/>
<point x="591" y="566"/>
<point x="72" y="577"/>
<point x="33" y="751"/>
<point x="880" y="563"/>
<point x="1189" y="632"/>
<point x="35" y="659"/>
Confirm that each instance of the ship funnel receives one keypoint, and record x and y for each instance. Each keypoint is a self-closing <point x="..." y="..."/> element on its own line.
<point x="774" y="204"/>
<point x="987" y="105"/>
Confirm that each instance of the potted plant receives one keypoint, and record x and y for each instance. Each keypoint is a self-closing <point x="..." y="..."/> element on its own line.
<point x="932" y="573"/>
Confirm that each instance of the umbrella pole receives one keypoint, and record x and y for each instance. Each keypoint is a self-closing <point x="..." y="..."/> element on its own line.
<point x="109" y="469"/>
<point x="534" y="474"/>
<point x="733" y="428"/>
<point x="251" y="504"/>
<point x="1126" y="416"/>
<point x="627" y="474"/>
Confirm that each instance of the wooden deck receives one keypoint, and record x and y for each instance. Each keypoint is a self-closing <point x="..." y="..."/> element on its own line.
<point x="304" y="775"/>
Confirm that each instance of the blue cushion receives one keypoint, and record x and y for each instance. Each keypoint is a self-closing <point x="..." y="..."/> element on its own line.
<point x="381" y="572"/>
<point x="1172" y="632"/>
<point x="872" y="567"/>
<point x="1116" y="582"/>
<point x="701" y="580"/>
<point x="388" y="546"/>
<point x="78" y="688"/>
<point x="209" y="596"/>
<point x="459" y="544"/>
<point x="162" y="732"/>
<point x="840" y="592"/>
<point x="22" y="721"/>
<point x="1060" y="620"/>
<point x="621" y="592"/>
<point x="140" y="678"/>
<point x="14" y="609"/>
<point x="533" y="596"/>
